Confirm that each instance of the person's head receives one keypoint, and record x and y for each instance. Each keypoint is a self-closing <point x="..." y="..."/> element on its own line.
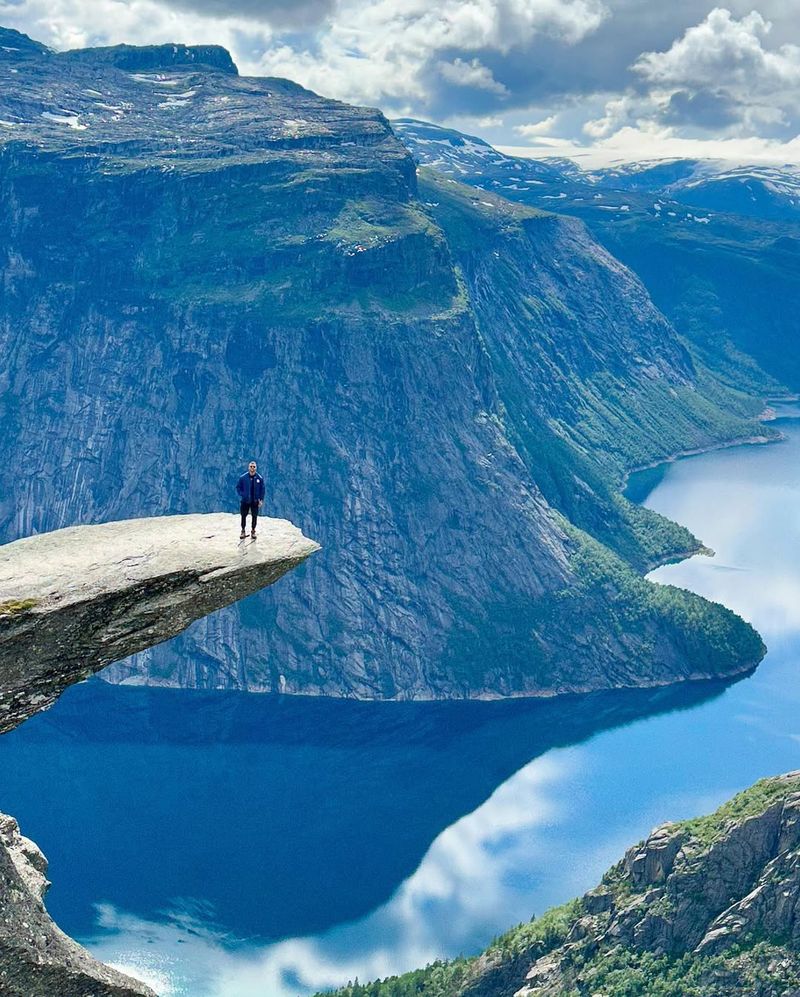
<point x="252" y="467"/>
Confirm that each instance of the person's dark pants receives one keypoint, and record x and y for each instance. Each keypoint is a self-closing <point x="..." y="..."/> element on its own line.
<point x="252" y="508"/>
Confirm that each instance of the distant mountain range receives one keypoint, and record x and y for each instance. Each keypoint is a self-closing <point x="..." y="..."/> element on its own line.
<point x="717" y="247"/>
<point x="759" y="190"/>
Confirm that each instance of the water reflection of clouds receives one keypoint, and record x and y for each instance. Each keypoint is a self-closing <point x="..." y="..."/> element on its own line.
<point x="754" y="529"/>
<point x="463" y="889"/>
<point x="471" y="883"/>
<point x="770" y="600"/>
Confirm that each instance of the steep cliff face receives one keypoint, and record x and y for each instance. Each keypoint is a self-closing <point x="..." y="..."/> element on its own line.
<point x="705" y="908"/>
<point x="593" y="378"/>
<point x="201" y="268"/>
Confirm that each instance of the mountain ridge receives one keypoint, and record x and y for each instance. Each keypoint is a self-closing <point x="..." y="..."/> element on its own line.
<point x="204" y="267"/>
<point x="716" y="245"/>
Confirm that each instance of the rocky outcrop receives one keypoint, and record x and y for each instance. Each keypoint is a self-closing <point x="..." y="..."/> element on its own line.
<point x="715" y="887"/>
<point x="709" y="906"/>
<point x="151" y="58"/>
<point x="36" y="958"/>
<point x="73" y="601"/>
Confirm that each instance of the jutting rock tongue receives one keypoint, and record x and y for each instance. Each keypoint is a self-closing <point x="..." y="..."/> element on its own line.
<point x="71" y="602"/>
<point x="74" y="600"/>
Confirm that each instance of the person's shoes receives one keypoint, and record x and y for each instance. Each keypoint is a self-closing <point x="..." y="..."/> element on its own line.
<point x="253" y="534"/>
<point x="242" y="535"/>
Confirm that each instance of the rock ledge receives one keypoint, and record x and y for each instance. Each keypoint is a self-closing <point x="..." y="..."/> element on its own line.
<point x="74" y="600"/>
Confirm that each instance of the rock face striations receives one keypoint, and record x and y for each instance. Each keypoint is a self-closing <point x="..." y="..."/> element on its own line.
<point x="704" y="908"/>
<point x="36" y="958"/>
<point x="201" y="268"/>
<point x="73" y="601"/>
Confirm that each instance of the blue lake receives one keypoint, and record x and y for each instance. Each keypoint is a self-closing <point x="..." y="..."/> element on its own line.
<point x="223" y="845"/>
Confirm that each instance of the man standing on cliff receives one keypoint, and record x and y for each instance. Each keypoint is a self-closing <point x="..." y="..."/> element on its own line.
<point x="250" y="489"/>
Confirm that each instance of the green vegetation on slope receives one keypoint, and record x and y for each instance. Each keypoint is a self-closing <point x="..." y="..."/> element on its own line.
<point x="754" y="800"/>
<point x="567" y="331"/>
<point x="11" y="607"/>
<point x="758" y="963"/>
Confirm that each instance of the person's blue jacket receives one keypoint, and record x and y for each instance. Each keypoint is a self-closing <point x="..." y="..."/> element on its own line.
<point x="250" y="489"/>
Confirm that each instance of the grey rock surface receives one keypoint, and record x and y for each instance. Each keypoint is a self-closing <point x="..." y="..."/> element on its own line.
<point x="74" y="600"/>
<point x="36" y="958"/>
<point x="693" y="890"/>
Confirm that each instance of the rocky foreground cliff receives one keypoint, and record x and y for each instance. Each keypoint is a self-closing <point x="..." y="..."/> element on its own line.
<point x="71" y="602"/>
<point x="36" y="958"/>
<point x="200" y="268"/>
<point x="704" y="908"/>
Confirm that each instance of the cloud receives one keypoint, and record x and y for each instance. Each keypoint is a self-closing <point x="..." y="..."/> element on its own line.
<point x="649" y="140"/>
<point x="470" y="74"/>
<point x="720" y="75"/>
<point x="724" y="51"/>
<point x="277" y="13"/>
<point x="705" y="108"/>
<point x="387" y="51"/>
<point x="537" y="128"/>
<point x="619" y="112"/>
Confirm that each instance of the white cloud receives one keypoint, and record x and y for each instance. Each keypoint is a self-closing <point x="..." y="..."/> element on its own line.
<point x="719" y="78"/>
<point x="365" y="51"/>
<point x="618" y="112"/>
<point x="377" y="51"/>
<point x="537" y="129"/>
<point x="650" y="141"/>
<point x="470" y="74"/>
<point x="722" y="51"/>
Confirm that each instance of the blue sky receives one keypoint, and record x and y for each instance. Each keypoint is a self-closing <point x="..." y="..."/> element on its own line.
<point x="596" y="79"/>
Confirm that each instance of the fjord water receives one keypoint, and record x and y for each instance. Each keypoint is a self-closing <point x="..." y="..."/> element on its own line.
<point x="219" y="844"/>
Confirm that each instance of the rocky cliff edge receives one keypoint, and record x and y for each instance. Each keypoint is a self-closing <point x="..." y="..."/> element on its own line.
<point x="71" y="602"/>
<point x="74" y="600"/>
<point x="36" y="958"/>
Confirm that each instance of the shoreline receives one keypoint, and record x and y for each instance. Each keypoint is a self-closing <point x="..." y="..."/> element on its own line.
<point x="767" y="415"/>
<point x="741" y="441"/>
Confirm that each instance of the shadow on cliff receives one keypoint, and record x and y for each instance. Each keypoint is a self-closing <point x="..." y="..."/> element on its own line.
<point x="284" y="816"/>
